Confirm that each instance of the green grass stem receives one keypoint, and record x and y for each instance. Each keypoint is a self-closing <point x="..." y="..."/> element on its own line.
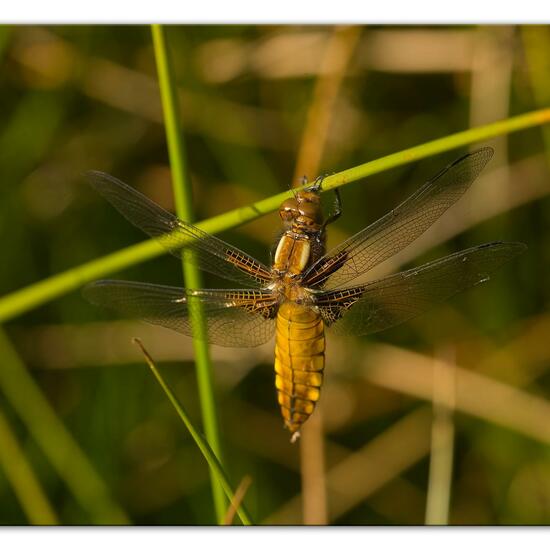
<point x="20" y="476"/>
<point x="213" y="462"/>
<point x="37" y="294"/>
<point x="184" y="208"/>
<point x="68" y="460"/>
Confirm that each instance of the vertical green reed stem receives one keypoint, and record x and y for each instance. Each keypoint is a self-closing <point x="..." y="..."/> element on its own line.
<point x="183" y="199"/>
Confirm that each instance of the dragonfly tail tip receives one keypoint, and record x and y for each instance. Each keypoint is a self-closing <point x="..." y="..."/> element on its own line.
<point x="295" y="436"/>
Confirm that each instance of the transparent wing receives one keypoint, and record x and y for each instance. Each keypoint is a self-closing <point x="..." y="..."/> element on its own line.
<point x="234" y="318"/>
<point x="387" y="302"/>
<point x="210" y="253"/>
<point x="394" y="231"/>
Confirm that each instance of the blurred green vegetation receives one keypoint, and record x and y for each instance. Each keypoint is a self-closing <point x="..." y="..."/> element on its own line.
<point x="84" y="97"/>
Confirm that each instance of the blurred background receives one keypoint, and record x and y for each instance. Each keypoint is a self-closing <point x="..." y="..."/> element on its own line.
<point x="262" y="106"/>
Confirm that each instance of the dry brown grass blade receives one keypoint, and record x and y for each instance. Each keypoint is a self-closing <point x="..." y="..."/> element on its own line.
<point x="365" y="471"/>
<point x="403" y="50"/>
<point x="237" y="499"/>
<point x="478" y="395"/>
<point x="338" y="53"/>
<point x="491" y="69"/>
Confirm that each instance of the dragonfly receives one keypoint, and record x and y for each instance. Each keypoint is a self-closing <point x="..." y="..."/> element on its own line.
<point x="306" y="292"/>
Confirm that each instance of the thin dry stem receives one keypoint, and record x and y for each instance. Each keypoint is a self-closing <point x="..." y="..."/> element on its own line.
<point x="365" y="471"/>
<point x="442" y="445"/>
<point x="312" y="466"/>
<point x="339" y="51"/>
<point x="237" y="499"/>
<point x="334" y="65"/>
<point x="491" y="76"/>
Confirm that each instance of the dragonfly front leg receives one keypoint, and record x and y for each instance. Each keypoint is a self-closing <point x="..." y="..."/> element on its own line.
<point x="336" y="211"/>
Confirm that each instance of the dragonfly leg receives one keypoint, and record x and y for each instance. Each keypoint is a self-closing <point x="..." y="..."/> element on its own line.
<point x="318" y="182"/>
<point x="336" y="211"/>
<point x="333" y="215"/>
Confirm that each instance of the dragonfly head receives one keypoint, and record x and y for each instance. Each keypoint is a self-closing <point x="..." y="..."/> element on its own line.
<point x="303" y="212"/>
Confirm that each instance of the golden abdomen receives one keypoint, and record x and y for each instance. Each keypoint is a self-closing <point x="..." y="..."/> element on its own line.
<point x="299" y="362"/>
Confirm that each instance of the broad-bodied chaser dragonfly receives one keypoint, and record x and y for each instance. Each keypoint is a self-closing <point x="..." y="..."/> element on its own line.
<point x="306" y="290"/>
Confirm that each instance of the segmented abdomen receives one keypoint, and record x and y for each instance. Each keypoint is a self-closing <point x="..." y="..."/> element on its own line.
<point x="299" y="362"/>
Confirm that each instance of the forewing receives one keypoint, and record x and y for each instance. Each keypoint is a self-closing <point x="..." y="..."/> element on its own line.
<point x="234" y="318"/>
<point x="394" y="231"/>
<point x="209" y="253"/>
<point x="394" y="299"/>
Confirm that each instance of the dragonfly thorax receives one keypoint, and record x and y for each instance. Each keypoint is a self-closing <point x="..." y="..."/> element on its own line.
<point x="292" y="255"/>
